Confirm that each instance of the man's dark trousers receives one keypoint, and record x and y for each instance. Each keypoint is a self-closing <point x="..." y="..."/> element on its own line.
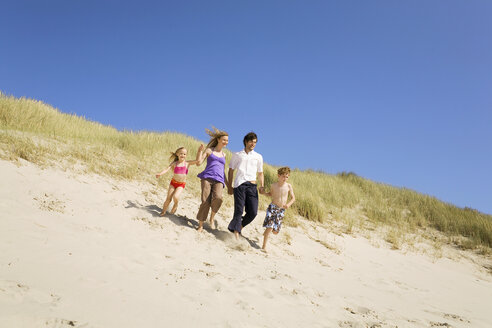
<point x="245" y="198"/>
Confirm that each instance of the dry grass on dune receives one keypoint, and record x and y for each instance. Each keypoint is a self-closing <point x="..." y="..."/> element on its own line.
<point x="41" y="134"/>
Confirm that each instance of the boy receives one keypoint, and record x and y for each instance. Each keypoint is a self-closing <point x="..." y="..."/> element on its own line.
<point x="279" y="191"/>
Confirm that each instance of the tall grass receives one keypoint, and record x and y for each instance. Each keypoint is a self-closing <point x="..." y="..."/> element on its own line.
<point x="41" y="134"/>
<point x="26" y="125"/>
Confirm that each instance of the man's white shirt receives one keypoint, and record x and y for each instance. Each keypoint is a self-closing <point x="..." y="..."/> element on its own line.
<point x="246" y="166"/>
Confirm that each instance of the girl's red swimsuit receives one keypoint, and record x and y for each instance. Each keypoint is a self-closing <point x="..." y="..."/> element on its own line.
<point x="179" y="170"/>
<point x="177" y="184"/>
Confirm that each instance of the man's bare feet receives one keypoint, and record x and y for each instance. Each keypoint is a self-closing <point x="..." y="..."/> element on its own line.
<point x="212" y="223"/>
<point x="200" y="226"/>
<point x="162" y="213"/>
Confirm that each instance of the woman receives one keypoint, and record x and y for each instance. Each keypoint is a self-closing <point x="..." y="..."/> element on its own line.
<point x="213" y="178"/>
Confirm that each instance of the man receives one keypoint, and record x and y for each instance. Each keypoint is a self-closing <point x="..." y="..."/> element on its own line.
<point x="247" y="163"/>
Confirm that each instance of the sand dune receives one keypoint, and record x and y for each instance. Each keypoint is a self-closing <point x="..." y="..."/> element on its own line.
<point x="79" y="250"/>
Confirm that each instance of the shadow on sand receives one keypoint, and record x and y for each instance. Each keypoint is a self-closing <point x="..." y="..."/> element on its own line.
<point x="184" y="221"/>
<point x="227" y="235"/>
<point x="156" y="211"/>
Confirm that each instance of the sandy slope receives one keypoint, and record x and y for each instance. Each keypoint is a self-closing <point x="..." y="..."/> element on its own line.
<point x="87" y="251"/>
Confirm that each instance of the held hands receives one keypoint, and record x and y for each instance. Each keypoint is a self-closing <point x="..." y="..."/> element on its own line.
<point x="199" y="155"/>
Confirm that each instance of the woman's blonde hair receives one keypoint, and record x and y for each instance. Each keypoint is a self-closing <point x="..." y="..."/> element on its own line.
<point x="174" y="156"/>
<point x="215" y="134"/>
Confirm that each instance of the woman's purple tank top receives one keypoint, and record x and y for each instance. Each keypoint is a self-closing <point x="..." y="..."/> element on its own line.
<point x="214" y="169"/>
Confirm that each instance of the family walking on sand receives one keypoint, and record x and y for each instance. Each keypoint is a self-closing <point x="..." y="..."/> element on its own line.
<point x="247" y="166"/>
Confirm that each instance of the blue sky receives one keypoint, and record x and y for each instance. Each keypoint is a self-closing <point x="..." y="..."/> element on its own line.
<point x="399" y="92"/>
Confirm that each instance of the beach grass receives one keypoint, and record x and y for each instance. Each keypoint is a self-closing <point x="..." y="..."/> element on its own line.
<point x="36" y="132"/>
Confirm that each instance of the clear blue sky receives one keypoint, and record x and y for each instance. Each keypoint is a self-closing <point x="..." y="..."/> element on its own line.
<point x="399" y="92"/>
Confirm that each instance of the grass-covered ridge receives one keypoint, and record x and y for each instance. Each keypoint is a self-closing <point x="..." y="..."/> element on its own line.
<point x="41" y="134"/>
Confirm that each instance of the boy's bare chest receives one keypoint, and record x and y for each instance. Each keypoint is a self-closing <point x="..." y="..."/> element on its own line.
<point x="280" y="191"/>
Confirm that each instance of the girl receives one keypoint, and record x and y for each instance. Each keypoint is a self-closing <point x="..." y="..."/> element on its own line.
<point x="213" y="178"/>
<point x="180" y="165"/>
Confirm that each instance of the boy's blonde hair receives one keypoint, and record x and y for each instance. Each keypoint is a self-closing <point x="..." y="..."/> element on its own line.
<point x="215" y="134"/>
<point x="174" y="156"/>
<point x="283" y="170"/>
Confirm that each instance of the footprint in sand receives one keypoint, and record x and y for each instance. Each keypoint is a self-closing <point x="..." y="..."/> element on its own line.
<point x="439" y="324"/>
<point x="350" y="324"/>
<point x="209" y="274"/>
<point x="63" y="323"/>
<point x="447" y="317"/>
<point x="60" y="323"/>
<point x="14" y="292"/>
<point x="237" y="244"/>
<point x="455" y="317"/>
<point x="365" y="318"/>
<point x="48" y="202"/>
<point x="153" y="224"/>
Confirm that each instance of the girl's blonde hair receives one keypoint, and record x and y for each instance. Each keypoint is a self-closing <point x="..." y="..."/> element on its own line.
<point x="215" y="134"/>
<point x="174" y="156"/>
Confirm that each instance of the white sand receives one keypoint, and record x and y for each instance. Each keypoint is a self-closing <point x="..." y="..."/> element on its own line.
<point x="87" y="251"/>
